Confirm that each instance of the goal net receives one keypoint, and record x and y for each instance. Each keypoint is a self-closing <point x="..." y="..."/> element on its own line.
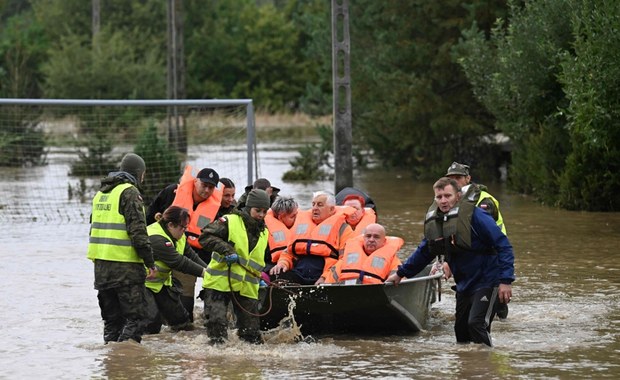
<point x="53" y="153"/>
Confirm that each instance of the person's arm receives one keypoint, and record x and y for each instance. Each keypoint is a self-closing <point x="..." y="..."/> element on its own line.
<point x="162" y="201"/>
<point x="214" y="238"/>
<point x="192" y="255"/>
<point x="491" y="235"/>
<point x="488" y="205"/>
<point x="132" y="208"/>
<point x="285" y="263"/>
<point x="165" y="251"/>
<point x="420" y="258"/>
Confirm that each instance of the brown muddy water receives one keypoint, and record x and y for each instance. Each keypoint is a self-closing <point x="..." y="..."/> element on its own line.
<point x="564" y="320"/>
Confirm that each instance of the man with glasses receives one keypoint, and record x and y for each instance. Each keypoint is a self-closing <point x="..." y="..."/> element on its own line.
<point x="171" y="252"/>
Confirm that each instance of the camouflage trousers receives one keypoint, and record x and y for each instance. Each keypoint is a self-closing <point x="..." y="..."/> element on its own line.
<point x="124" y="311"/>
<point x="216" y="321"/>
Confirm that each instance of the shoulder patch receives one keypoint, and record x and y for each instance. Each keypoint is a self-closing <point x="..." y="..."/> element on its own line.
<point x="168" y="244"/>
<point x="222" y="219"/>
<point x="484" y="206"/>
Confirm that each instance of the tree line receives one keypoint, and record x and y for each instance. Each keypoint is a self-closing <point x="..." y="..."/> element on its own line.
<point x="432" y="82"/>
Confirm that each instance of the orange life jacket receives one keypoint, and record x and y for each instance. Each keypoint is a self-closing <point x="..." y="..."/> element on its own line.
<point x="205" y="211"/>
<point x="373" y="269"/>
<point x="279" y="235"/>
<point x="369" y="217"/>
<point x="313" y="239"/>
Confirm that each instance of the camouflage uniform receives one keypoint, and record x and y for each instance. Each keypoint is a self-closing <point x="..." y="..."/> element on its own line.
<point x="214" y="237"/>
<point x="120" y="285"/>
<point x="167" y="305"/>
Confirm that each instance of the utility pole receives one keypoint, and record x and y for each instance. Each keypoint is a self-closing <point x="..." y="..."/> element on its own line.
<point x="341" y="79"/>
<point x="96" y="17"/>
<point x="177" y="131"/>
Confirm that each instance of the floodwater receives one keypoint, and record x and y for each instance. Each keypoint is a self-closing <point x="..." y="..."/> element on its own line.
<point x="564" y="319"/>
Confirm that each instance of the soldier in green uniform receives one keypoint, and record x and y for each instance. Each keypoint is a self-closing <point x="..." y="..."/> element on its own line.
<point x="120" y="250"/>
<point x="239" y="244"/>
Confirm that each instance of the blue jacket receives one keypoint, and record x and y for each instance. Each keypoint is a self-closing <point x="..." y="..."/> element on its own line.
<point x="472" y="271"/>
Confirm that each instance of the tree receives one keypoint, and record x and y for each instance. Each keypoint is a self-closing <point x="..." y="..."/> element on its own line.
<point x="591" y="81"/>
<point x="412" y="103"/>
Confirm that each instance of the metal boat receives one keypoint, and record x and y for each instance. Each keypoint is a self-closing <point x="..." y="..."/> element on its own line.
<point x="358" y="308"/>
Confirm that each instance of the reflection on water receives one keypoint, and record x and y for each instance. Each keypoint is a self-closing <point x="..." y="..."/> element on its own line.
<point x="564" y="321"/>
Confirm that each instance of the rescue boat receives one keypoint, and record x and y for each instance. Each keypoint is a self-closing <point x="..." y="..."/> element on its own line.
<point x="358" y="308"/>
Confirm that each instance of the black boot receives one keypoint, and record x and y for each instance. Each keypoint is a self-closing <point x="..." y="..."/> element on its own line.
<point x="188" y="304"/>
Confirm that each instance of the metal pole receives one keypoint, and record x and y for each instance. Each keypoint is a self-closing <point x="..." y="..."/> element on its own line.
<point x="341" y="75"/>
<point x="251" y="141"/>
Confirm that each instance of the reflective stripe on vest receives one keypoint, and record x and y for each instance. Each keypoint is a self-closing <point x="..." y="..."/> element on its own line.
<point x="108" y="231"/>
<point x="320" y="240"/>
<point x="164" y="273"/>
<point x="500" y="220"/>
<point x="279" y="235"/>
<point x="373" y="268"/>
<point x="205" y="211"/>
<point x="244" y="276"/>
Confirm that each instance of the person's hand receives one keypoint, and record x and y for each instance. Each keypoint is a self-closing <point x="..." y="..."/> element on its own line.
<point x="505" y="293"/>
<point x="277" y="269"/>
<point x="394" y="278"/>
<point x="152" y="273"/>
<point x="231" y="259"/>
<point x="447" y="273"/>
<point x="320" y="281"/>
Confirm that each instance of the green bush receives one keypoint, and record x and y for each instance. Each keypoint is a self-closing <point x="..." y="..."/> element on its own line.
<point x="163" y="165"/>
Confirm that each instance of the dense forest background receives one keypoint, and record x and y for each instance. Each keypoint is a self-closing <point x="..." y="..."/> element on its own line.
<point x="432" y="81"/>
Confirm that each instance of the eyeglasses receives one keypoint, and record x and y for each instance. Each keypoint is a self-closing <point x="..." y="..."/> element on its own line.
<point x="183" y="227"/>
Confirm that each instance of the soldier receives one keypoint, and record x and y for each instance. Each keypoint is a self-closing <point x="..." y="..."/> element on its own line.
<point x="120" y="249"/>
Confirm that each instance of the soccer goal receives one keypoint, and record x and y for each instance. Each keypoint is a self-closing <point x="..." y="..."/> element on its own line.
<point x="53" y="152"/>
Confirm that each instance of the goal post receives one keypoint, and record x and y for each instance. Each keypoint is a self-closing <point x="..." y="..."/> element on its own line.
<point x="67" y="145"/>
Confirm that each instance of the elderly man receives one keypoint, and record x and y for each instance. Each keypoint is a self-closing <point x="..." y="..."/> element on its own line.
<point x="280" y="220"/>
<point x="318" y="241"/>
<point x="368" y="258"/>
<point x="479" y="254"/>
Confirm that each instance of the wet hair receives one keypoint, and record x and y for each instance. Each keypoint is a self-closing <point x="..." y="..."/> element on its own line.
<point x="283" y="206"/>
<point x="445" y="181"/>
<point x="358" y="197"/>
<point x="173" y="214"/>
<point x="227" y="182"/>
<point x="330" y="199"/>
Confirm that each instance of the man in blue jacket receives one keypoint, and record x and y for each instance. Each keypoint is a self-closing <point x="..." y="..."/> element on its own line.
<point x="479" y="254"/>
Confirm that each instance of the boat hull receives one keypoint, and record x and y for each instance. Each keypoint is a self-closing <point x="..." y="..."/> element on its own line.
<point x="365" y="309"/>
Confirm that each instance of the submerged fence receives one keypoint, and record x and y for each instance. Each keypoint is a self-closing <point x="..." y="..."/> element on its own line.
<point x="54" y="152"/>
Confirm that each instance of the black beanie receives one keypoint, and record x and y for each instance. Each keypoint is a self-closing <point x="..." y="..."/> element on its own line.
<point x="134" y="165"/>
<point x="258" y="198"/>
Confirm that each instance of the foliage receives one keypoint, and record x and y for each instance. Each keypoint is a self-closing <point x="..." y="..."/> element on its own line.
<point x="550" y="78"/>
<point x="76" y="69"/>
<point x="22" y="49"/>
<point x="22" y="141"/>
<point x="411" y="103"/>
<point x="313" y="160"/>
<point x="22" y="145"/>
<point x="97" y="160"/>
<point x="591" y="80"/>
<point x="163" y="165"/>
